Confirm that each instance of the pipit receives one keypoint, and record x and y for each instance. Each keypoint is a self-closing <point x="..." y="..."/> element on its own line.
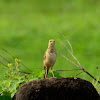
<point x="49" y="57"/>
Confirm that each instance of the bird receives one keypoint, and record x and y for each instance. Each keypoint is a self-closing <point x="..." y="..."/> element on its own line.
<point x="49" y="57"/>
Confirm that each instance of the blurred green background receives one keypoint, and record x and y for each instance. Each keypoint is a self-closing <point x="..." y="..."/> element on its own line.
<point x="27" y="25"/>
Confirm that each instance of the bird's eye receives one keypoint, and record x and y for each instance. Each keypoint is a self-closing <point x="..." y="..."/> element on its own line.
<point x="54" y="41"/>
<point x="50" y="41"/>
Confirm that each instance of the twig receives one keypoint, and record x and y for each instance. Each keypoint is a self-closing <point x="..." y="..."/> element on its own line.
<point x="14" y="58"/>
<point x="5" y="59"/>
<point x="68" y="60"/>
<point x="90" y="75"/>
<point x="65" y="46"/>
<point x="75" y="59"/>
<point x="4" y="64"/>
<point x="78" y="73"/>
<point x="25" y="72"/>
<point x="67" y="41"/>
<point x="12" y="64"/>
<point x="70" y="52"/>
<point x="68" y="70"/>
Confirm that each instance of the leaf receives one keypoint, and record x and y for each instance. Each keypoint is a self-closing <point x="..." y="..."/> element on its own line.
<point x="0" y="89"/>
<point x="4" y="97"/>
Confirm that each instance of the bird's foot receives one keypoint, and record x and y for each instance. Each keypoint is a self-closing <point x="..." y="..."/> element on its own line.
<point x="54" y="77"/>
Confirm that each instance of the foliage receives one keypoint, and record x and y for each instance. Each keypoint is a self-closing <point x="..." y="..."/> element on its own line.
<point x="95" y="83"/>
<point x="13" y="80"/>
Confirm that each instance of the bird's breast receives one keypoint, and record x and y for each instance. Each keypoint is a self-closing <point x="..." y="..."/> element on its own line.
<point x="51" y="58"/>
<point x="51" y="55"/>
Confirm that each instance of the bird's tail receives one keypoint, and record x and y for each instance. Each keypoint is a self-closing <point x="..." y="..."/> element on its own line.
<point x="45" y="76"/>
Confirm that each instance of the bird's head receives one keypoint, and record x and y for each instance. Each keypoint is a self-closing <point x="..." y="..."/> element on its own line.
<point x="51" y="43"/>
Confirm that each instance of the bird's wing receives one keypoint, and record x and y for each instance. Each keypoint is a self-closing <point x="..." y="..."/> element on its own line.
<point x="45" y="55"/>
<point x="44" y="58"/>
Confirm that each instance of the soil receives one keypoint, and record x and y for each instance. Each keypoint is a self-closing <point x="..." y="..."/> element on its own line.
<point x="57" y="89"/>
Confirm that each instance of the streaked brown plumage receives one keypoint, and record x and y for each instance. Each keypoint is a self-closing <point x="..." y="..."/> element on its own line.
<point x="49" y="57"/>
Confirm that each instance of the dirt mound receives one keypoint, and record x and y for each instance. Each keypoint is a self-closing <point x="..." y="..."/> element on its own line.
<point x="57" y="89"/>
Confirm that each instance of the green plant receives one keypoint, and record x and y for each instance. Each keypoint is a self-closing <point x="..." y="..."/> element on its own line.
<point x="95" y="83"/>
<point x="13" y="80"/>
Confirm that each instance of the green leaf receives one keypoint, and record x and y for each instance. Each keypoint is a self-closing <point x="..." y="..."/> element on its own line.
<point x="0" y="89"/>
<point x="4" y="97"/>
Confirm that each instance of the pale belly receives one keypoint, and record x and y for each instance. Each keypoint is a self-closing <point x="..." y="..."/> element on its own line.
<point x="50" y="59"/>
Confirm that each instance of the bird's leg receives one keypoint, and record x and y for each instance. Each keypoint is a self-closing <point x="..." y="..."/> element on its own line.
<point x="46" y="73"/>
<point x="52" y="72"/>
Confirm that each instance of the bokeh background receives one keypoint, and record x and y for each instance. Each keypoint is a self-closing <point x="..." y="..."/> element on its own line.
<point x="27" y="25"/>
